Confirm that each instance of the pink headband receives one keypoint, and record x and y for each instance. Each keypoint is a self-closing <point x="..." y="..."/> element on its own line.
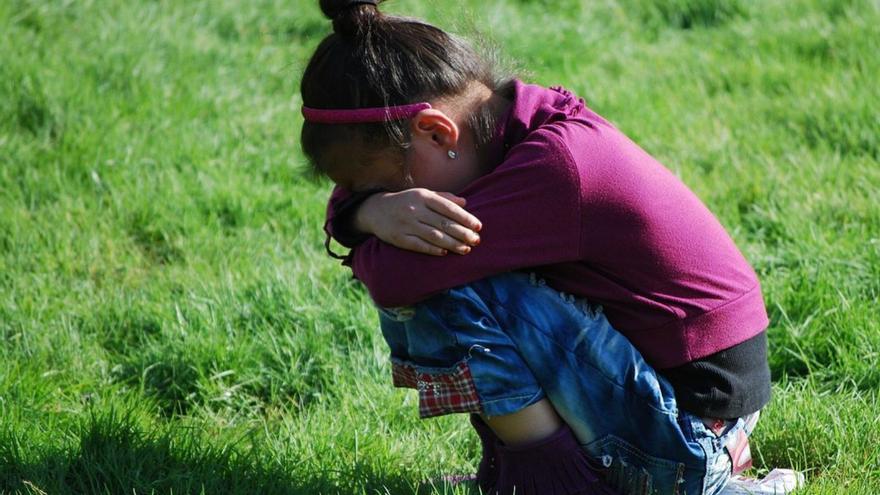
<point x="363" y="115"/>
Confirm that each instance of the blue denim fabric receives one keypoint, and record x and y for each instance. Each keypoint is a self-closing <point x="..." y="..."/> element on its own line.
<point x="523" y="341"/>
<point x="436" y="335"/>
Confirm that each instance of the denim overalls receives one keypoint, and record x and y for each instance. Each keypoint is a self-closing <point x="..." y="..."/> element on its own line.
<point x="500" y="344"/>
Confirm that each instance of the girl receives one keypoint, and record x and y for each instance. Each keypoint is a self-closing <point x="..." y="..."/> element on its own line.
<point x="562" y="392"/>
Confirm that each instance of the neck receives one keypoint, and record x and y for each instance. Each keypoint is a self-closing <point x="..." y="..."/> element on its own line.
<point x="480" y="106"/>
<point x="496" y="107"/>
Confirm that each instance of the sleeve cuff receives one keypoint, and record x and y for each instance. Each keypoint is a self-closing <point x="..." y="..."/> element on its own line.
<point x="339" y="225"/>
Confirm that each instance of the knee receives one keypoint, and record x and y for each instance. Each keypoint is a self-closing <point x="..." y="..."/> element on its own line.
<point x="528" y="425"/>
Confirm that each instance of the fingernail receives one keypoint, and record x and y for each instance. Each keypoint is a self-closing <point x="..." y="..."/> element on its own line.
<point x="479" y="227"/>
<point x="466" y="250"/>
<point x="443" y="252"/>
<point x="477" y="242"/>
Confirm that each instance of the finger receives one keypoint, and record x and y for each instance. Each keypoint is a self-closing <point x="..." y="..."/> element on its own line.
<point x="452" y="211"/>
<point x="455" y="199"/>
<point x="413" y="243"/>
<point x="438" y="238"/>
<point x="451" y="228"/>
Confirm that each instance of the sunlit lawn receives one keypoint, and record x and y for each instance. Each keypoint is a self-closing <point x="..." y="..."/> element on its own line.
<point x="169" y="321"/>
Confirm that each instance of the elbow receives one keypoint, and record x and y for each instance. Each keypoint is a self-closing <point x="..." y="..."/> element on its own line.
<point x="386" y="302"/>
<point x="383" y="287"/>
<point x="389" y="284"/>
<point x="388" y="295"/>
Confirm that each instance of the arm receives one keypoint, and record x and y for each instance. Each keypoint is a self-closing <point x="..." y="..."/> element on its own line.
<point x="414" y="219"/>
<point x="530" y="210"/>
<point x="341" y="209"/>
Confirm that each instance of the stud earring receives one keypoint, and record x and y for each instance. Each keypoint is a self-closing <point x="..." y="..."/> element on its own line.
<point x="453" y="155"/>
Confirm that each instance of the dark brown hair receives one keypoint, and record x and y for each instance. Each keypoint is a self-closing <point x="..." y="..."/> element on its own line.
<point x="376" y="60"/>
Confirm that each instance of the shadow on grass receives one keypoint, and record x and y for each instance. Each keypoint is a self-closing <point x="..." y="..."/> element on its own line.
<point x="114" y="454"/>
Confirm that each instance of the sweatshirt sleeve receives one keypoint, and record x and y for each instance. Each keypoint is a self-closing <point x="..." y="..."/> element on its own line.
<point x="340" y="210"/>
<point x="530" y="210"/>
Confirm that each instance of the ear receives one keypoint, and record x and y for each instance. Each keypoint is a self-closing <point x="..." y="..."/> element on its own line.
<point x="436" y="126"/>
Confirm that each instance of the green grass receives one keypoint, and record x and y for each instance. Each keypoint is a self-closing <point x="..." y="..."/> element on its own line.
<point x="169" y="322"/>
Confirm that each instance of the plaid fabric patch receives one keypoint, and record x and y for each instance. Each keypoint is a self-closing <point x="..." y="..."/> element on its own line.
<point x="447" y="392"/>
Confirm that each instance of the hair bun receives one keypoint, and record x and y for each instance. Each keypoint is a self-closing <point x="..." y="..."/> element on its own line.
<point x="336" y="9"/>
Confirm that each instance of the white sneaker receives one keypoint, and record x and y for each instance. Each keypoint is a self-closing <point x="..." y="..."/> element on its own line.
<point x="778" y="482"/>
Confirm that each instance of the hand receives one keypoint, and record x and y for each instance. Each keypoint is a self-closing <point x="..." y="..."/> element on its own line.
<point x="420" y="220"/>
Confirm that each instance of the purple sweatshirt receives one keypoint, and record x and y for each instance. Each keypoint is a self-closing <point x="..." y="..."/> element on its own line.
<point x="576" y="201"/>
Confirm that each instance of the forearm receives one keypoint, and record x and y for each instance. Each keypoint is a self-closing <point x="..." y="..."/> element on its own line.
<point x="343" y="220"/>
<point x="397" y="277"/>
<point x="530" y="210"/>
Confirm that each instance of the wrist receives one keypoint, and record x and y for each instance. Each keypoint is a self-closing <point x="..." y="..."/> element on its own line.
<point x="362" y="220"/>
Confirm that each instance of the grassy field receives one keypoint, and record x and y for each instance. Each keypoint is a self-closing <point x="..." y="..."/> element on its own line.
<point x="169" y="322"/>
